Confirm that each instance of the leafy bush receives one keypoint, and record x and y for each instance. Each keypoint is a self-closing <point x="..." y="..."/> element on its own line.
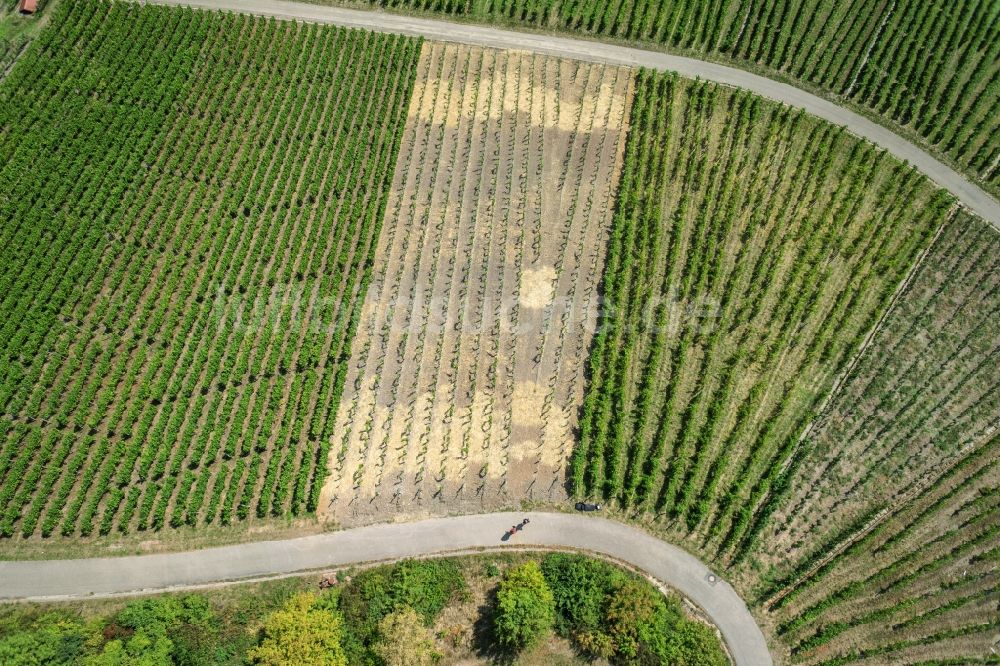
<point x="638" y="622"/>
<point x="143" y="631"/>
<point x="612" y="615"/>
<point x="301" y="634"/>
<point x="404" y="640"/>
<point x="166" y="612"/>
<point x="51" y="638"/>
<point x="525" y="607"/>
<point x="426" y="586"/>
<point x="694" y="644"/>
<point x="581" y="587"/>
<point x="641" y="626"/>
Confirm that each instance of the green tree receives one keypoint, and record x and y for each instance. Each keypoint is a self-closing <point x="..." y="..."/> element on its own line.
<point x="641" y="626"/>
<point x="404" y="640"/>
<point x="300" y="634"/>
<point x="525" y="607"/>
<point x="143" y="648"/>
<point x="426" y="586"/>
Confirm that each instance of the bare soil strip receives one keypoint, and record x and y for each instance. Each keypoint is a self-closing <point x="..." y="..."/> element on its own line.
<point x="467" y="375"/>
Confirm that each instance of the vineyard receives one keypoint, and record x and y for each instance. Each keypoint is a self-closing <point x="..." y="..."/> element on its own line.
<point x="930" y="67"/>
<point x="926" y="392"/>
<point x="254" y="270"/>
<point x="191" y="204"/>
<point x="468" y="367"/>
<point x="751" y="251"/>
<point x="922" y="585"/>
<point x="900" y="482"/>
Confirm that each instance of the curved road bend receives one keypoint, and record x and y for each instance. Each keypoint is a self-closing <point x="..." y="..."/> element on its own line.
<point x="41" y="580"/>
<point x="967" y="192"/>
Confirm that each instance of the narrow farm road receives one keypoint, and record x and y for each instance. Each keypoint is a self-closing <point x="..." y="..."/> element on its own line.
<point x="971" y="195"/>
<point x="64" y="579"/>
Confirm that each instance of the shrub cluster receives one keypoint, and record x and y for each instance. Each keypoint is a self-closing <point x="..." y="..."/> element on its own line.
<point x="621" y="618"/>
<point x="426" y="586"/>
<point x="384" y="616"/>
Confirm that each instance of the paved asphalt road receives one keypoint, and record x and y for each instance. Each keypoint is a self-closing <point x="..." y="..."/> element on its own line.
<point x="61" y="579"/>
<point x="968" y="193"/>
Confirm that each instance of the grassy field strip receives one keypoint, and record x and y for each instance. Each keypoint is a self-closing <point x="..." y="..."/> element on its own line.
<point x="474" y="334"/>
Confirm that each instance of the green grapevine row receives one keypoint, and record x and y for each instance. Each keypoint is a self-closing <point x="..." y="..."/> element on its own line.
<point x="732" y="299"/>
<point x="931" y="68"/>
<point x="181" y="290"/>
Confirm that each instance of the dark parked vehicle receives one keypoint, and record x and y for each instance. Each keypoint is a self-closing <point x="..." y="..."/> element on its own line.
<point x="586" y="506"/>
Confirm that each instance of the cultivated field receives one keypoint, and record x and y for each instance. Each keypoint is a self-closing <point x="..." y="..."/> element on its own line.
<point x="929" y="66"/>
<point x="191" y="202"/>
<point x="751" y="251"/>
<point x="469" y="363"/>
<point x="921" y="586"/>
<point x="925" y="393"/>
<point x="888" y="546"/>
<point x="761" y="336"/>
